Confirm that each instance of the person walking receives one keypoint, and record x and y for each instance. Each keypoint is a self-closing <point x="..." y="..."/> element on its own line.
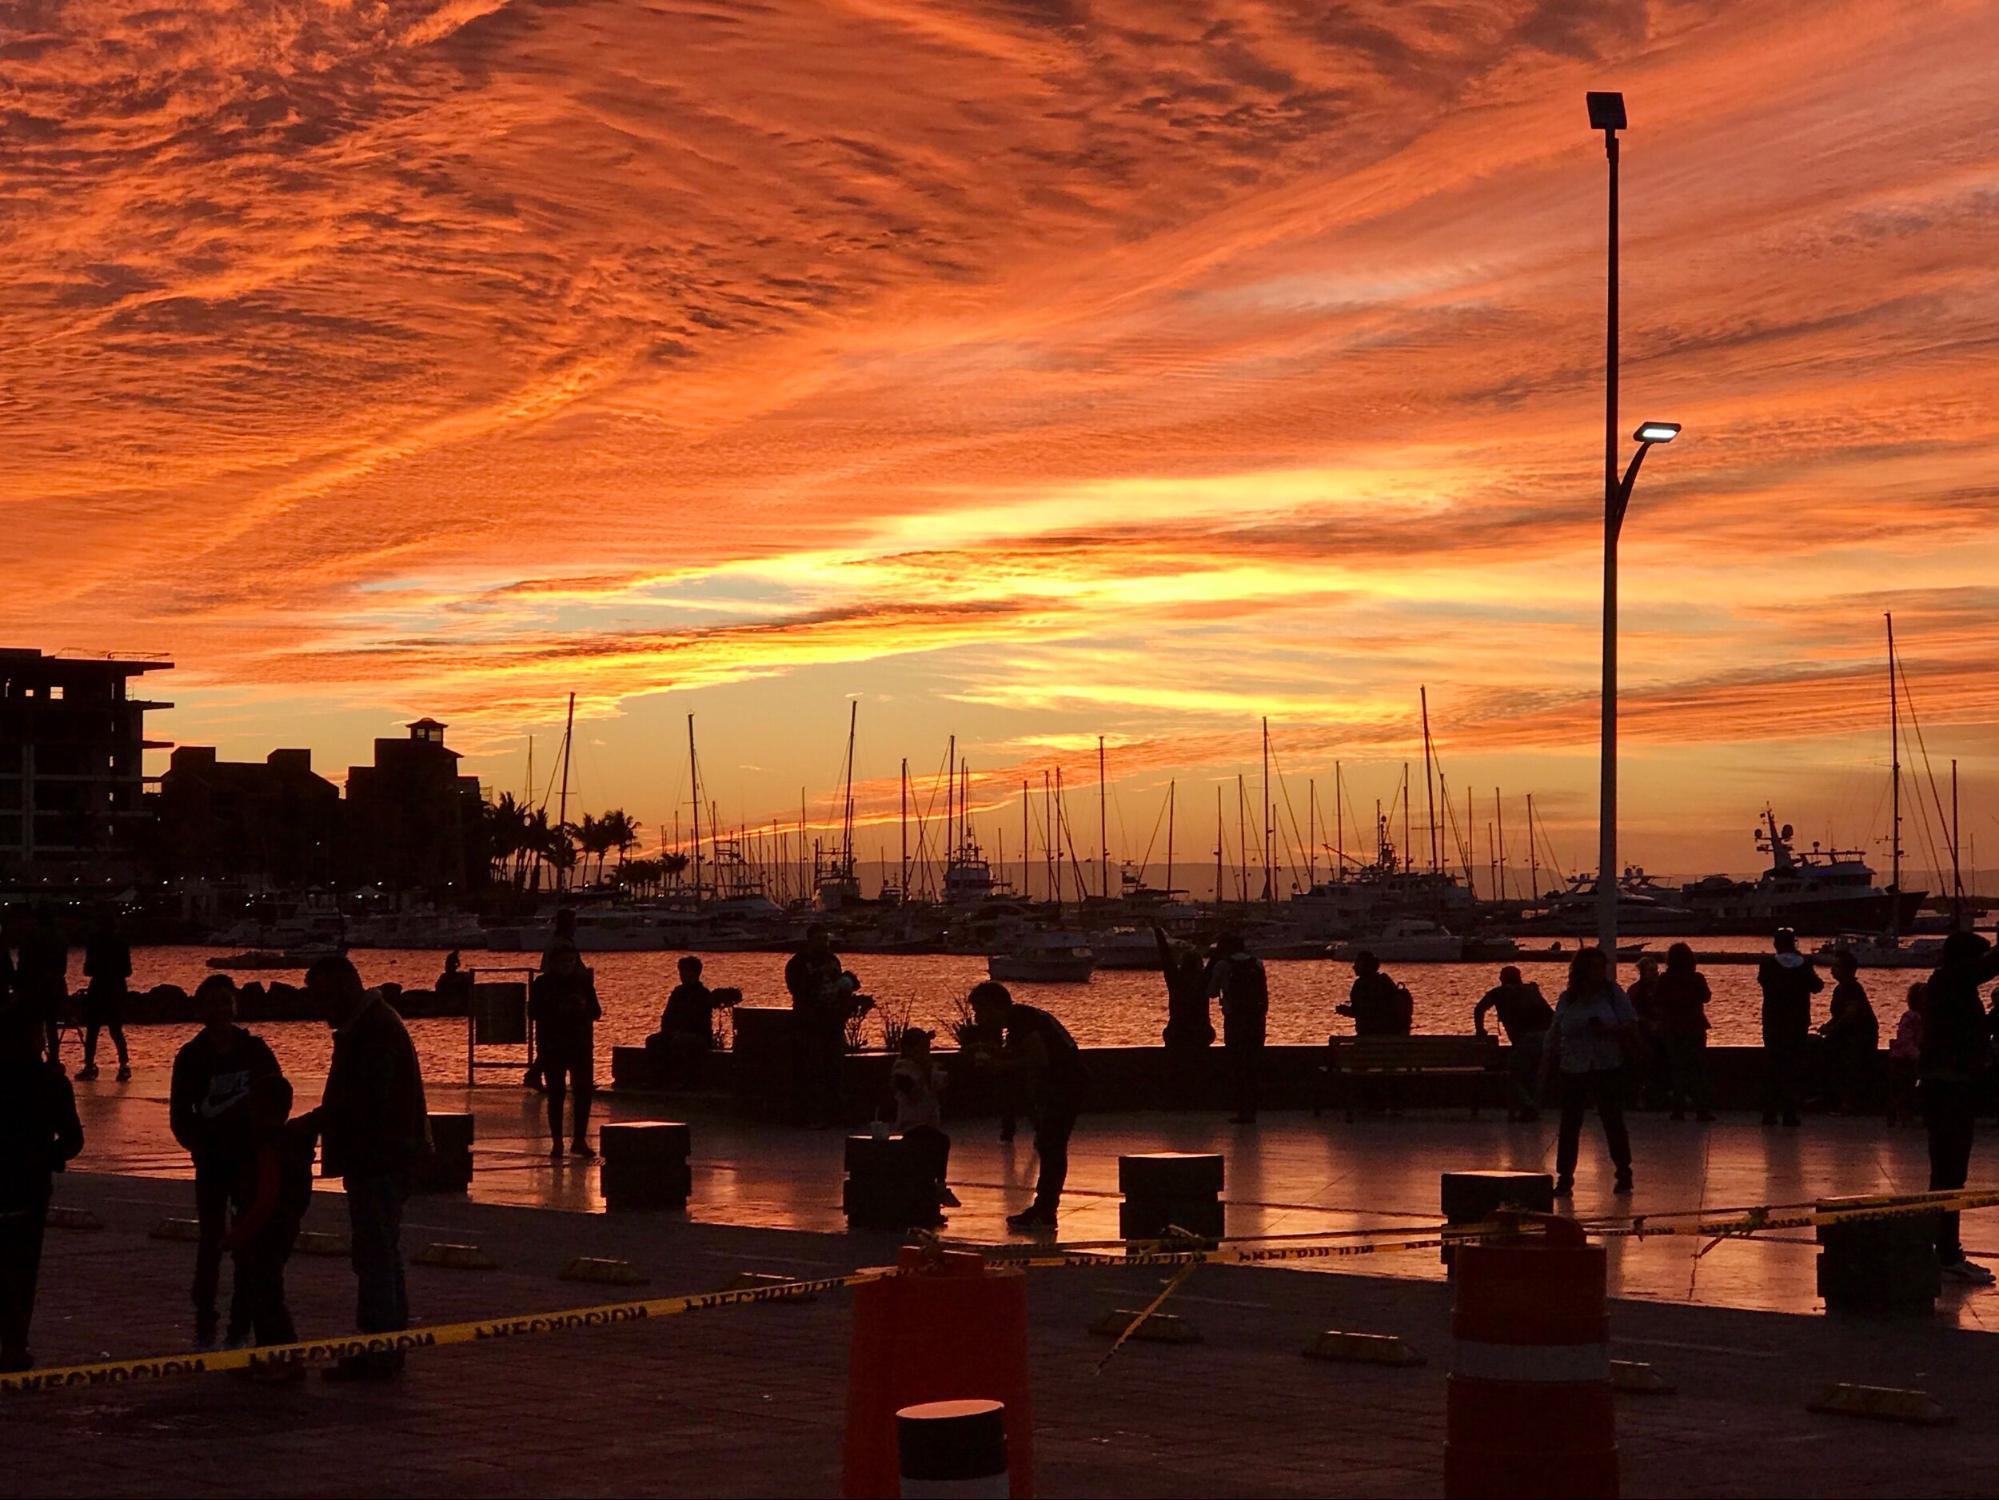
<point x="1683" y="1027"/>
<point x="374" y="1128"/>
<point x="42" y="977"/>
<point x="1590" y="1044"/>
<point x="1524" y="1015"/>
<point x="1190" y="1029"/>
<point x="1237" y="976"/>
<point x="1852" y="1037"/>
<point x="208" y="1111"/>
<point x="566" y="1016"/>
<point x="39" y="1136"/>
<point x="1956" y="1047"/>
<point x="107" y="965"/>
<point x="1788" y="982"/>
<point x="1038" y="1050"/>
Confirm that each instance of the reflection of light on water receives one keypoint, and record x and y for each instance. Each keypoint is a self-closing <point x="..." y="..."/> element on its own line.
<point x="1119" y="1007"/>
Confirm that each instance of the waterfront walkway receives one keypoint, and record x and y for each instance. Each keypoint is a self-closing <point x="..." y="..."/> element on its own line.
<point x="1288" y="1174"/>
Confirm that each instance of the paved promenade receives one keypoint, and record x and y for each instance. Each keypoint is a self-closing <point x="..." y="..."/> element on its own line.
<point x="749" y="1401"/>
<point x="1289" y="1174"/>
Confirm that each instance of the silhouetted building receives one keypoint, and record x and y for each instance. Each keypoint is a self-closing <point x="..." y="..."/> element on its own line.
<point x="72" y="745"/>
<point x="413" y="823"/>
<point x="274" y="822"/>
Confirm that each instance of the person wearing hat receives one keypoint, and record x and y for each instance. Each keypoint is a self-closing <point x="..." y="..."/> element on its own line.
<point x="1788" y="982"/>
<point x="918" y="1086"/>
<point x="1955" y="1047"/>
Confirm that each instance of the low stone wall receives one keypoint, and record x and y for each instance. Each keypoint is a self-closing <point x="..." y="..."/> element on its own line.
<point x="758" y="1078"/>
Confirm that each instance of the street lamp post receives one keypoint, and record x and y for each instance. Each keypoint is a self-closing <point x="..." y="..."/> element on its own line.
<point x="1606" y="113"/>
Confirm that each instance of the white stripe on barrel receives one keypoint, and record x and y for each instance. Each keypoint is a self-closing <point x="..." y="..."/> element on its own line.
<point x="1531" y="1362"/>
<point x="955" y="1448"/>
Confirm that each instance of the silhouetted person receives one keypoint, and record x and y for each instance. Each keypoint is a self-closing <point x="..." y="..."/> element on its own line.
<point x="1904" y="1054"/>
<point x="1189" y="1029"/>
<point x="1040" y="1051"/>
<point x="1524" y="1015"/>
<point x="208" y="1110"/>
<point x="819" y="1028"/>
<point x="1683" y="1026"/>
<point x="1788" y="982"/>
<point x="1852" y="1036"/>
<point x="42" y="976"/>
<point x="1237" y="976"/>
<point x="39" y="1135"/>
<point x="454" y="985"/>
<point x="1376" y="1002"/>
<point x="272" y="1196"/>
<point x="1649" y="1070"/>
<point x="918" y="1086"/>
<point x="566" y="1016"/>
<point x="1589" y="1045"/>
<point x="107" y="966"/>
<point x="686" y="1032"/>
<point x="1956" y="1048"/>
<point x="374" y="1128"/>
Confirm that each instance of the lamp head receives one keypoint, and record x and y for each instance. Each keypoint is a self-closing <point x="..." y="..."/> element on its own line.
<point x="1656" y="432"/>
<point x="1606" y="110"/>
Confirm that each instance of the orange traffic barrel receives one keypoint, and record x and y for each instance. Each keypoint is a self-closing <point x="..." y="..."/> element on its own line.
<point x="1528" y="1406"/>
<point x="950" y="1328"/>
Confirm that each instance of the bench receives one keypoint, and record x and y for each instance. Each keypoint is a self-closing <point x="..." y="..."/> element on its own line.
<point x="1348" y="1058"/>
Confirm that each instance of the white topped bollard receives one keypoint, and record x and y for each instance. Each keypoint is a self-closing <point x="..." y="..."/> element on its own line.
<point x="953" y="1448"/>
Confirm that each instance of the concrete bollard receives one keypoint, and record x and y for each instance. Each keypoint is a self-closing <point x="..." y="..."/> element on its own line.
<point x="888" y="1184"/>
<point x="953" y="1448"/>
<point x="448" y="1168"/>
<point x="1474" y="1197"/>
<point x="645" y="1164"/>
<point x="1166" y="1189"/>
<point x="1528" y="1407"/>
<point x="1886" y="1265"/>
<point x="949" y="1328"/>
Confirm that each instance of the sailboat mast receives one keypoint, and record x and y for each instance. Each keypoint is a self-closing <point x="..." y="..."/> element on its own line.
<point x="1533" y="855"/>
<point x="1407" y="862"/>
<point x="1956" y="868"/>
<point x="1026" y="843"/>
<point x="1269" y="876"/>
<point x="1048" y="840"/>
<point x="1499" y="812"/>
<point x="847" y="816"/>
<point x="1429" y="788"/>
<point x="1104" y="820"/>
<point x="694" y="786"/>
<point x="903" y="886"/>
<point x="562" y="808"/>
<point x="1220" y="838"/>
<point x="1172" y="815"/>
<point x="1311" y="832"/>
<point x="1895" y="780"/>
<point x="1339" y="828"/>
<point x="1242" y="838"/>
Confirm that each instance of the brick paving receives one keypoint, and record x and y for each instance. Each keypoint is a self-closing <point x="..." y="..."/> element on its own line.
<point x="750" y="1401"/>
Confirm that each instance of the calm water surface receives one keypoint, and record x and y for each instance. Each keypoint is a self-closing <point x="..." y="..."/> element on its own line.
<point x="1116" y="1008"/>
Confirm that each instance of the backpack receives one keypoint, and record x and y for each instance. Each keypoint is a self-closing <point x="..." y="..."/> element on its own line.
<point x="1405" y="1010"/>
<point x="1246" y="988"/>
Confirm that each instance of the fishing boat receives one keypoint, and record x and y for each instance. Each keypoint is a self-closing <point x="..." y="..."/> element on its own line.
<point x="1043" y="958"/>
<point x="1884" y="950"/>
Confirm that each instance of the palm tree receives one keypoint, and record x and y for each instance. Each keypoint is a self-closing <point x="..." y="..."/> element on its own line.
<point x="674" y="865"/>
<point x="622" y="830"/>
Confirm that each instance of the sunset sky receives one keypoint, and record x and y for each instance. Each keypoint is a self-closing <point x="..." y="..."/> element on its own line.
<point x="1028" y="370"/>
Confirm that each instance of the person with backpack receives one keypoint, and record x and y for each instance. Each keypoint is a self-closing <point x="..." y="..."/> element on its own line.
<point x="1379" y="1006"/>
<point x="1237" y="976"/>
<point x="566" y="1012"/>
<point x="1788" y="982"/>
<point x="271" y="1195"/>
